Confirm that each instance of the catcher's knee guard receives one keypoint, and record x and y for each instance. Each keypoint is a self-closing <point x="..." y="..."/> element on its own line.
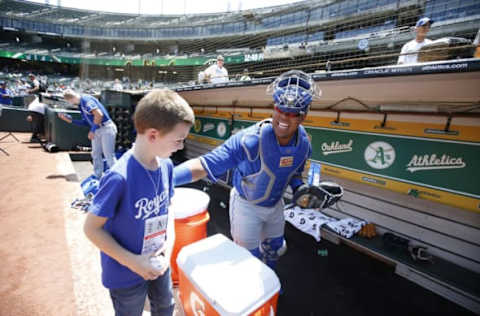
<point x="272" y="249"/>
<point x="257" y="253"/>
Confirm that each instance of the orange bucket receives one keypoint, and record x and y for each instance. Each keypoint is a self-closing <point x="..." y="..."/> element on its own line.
<point x="189" y="207"/>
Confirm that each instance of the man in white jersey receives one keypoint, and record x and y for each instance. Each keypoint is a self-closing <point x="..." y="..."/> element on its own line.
<point x="409" y="52"/>
<point x="217" y="72"/>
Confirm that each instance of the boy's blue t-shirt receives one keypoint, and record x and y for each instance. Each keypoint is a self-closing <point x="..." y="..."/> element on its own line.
<point x="137" y="215"/>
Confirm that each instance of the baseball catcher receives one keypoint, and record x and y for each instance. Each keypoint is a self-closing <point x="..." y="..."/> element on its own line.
<point x="266" y="158"/>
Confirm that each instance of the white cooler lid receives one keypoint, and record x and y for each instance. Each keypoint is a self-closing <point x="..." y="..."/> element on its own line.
<point x="188" y="202"/>
<point x="232" y="280"/>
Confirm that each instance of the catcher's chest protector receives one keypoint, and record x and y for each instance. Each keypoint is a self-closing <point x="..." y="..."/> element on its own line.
<point x="277" y="165"/>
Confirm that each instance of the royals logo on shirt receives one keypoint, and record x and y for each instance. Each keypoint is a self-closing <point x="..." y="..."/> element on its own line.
<point x="286" y="161"/>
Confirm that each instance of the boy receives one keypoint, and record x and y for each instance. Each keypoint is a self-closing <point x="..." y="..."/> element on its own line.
<point x="129" y="219"/>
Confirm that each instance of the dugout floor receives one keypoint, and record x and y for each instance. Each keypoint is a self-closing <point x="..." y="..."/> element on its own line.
<point x="49" y="268"/>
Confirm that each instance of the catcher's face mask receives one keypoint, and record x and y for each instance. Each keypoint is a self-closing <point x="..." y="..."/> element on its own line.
<point x="293" y="91"/>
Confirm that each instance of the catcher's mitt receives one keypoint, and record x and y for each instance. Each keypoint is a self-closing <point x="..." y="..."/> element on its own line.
<point x="322" y="196"/>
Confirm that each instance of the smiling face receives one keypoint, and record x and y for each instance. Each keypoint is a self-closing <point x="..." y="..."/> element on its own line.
<point x="285" y="125"/>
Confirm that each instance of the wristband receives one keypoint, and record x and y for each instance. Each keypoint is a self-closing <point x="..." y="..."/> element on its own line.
<point x="182" y="175"/>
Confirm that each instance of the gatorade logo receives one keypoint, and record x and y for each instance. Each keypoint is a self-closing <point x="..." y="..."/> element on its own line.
<point x="379" y="155"/>
<point x="198" y="306"/>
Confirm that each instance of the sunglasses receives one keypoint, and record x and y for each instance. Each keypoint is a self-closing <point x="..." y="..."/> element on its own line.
<point x="287" y="114"/>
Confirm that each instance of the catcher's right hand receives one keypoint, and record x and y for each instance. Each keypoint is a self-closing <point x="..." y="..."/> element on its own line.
<point x="322" y="196"/>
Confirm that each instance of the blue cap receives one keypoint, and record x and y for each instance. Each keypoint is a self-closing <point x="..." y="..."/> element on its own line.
<point x="423" y="21"/>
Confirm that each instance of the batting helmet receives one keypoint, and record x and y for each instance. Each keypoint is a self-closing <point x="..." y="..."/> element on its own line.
<point x="293" y="92"/>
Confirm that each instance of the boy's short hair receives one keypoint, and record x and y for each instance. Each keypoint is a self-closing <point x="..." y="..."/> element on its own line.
<point x="162" y="109"/>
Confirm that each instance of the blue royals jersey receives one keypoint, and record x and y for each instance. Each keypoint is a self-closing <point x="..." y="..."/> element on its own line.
<point x="87" y="105"/>
<point x="136" y="214"/>
<point x="262" y="168"/>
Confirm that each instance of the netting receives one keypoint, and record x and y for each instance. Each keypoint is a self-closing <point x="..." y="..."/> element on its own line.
<point x="308" y="35"/>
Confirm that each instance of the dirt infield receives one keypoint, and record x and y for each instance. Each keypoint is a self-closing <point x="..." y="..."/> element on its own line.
<point x="48" y="267"/>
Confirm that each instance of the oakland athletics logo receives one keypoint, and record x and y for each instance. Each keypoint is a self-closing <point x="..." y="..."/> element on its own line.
<point x="379" y="155"/>
<point x="221" y="129"/>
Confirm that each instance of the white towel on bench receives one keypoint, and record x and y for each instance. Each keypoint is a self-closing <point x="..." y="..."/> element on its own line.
<point x="307" y="220"/>
<point x="347" y="227"/>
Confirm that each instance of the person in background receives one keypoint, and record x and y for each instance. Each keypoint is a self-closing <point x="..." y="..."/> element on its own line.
<point x="245" y="75"/>
<point x="21" y="87"/>
<point x="36" y="115"/>
<point x="476" y="42"/>
<point x="117" y="85"/>
<point x="129" y="219"/>
<point x="217" y="72"/>
<point x="409" y="52"/>
<point x="103" y="131"/>
<point x="5" y="94"/>
<point x="34" y="86"/>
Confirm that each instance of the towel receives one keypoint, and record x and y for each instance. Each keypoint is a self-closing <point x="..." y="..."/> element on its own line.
<point x="307" y="220"/>
<point x="347" y="227"/>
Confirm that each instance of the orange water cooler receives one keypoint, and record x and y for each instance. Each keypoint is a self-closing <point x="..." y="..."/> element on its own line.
<point x="218" y="277"/>
<point x="191" y="216"/>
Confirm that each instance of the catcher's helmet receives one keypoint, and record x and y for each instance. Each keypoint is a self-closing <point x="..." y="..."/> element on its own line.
<point x="293" y="92"/>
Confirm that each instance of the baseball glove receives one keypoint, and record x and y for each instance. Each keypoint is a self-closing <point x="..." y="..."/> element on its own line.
<point x="322" y="196"/>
